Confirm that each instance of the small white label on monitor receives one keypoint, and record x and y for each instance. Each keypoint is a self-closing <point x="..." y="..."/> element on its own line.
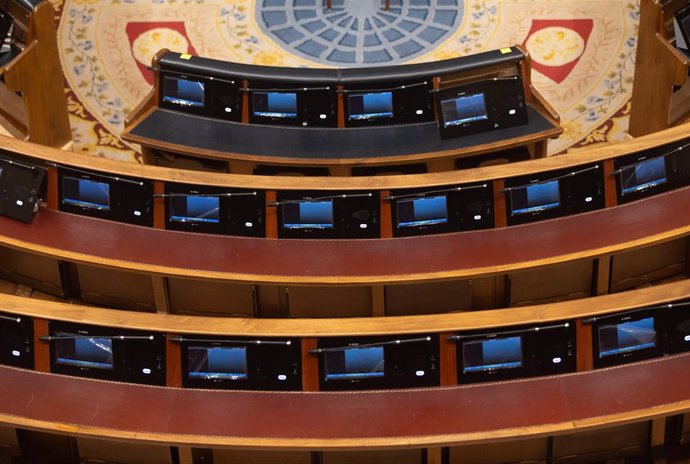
<point x="282" y="377"/>
<point x="419" y="373"/>
<point x="249" y="224"/>
<point x="588" y="199"/>
<point x="20" y="203"/>
<point x="322" y="116"/>
<point x="228" y="109"/>
<point x="556" y="360"/>
<point x="511" y="112"/>
<point x="363" y="226"/>
<point x="477" y="217"/>
<point x="687" y="338"/>
<point x="137" y="213"/>
<point x="146" y="370"/>
<point x="16" y="353"/>
<point x="419" y="111"/>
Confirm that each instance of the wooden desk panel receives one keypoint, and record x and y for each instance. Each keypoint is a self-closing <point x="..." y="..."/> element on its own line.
<point x="481" y="412"/>
<point x="458" y="255"/>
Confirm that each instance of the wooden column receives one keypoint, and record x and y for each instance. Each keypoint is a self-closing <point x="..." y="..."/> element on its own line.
<point x="603" y="273"/>
<point x="160" y="294"/>
<point x="448" y="360"/>
<point x="53" y="200"/>
<point x="271" y="215"/>
<point x="340" y="112"/>
<point x="310" y="366"/>
<point x="434" y="456"/>
<point x="386" y="216"/>
<point x="378" y="301"/>
<point x="173" y="362"/>
<point x="245" y="102"/>
<point x="500" y="218"/>
<point x="158" y="206"/>
<point x="610" y="192"/>
<point x="585" y="355"/>
<point x="41" y="348"/>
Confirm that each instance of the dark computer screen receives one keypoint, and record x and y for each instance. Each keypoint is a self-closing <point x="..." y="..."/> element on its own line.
<point x="308" y="215"/>
<point x="183" y="92"/>
<point x="275" y="104"/>
<point x="464" y="109"/>
<point x="492" y="354"/>
<point x="194" y="208"/>
<point x="626" y="337"/>
<point x="366" y="106"/>
<point x="221" y="363"/>
<point x="643" y="175"/>
<point x="535" y="197"/>
<point x="355" y="363"/>
<point x="413" y="212"/>
<point x="90" y="352"/>
<point x="86" y="193"/>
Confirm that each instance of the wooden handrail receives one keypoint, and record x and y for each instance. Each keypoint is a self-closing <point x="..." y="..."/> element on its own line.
<point x="598" y="154"/>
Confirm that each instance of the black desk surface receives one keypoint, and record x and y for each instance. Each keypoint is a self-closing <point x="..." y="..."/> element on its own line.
<point x="203" y="133"/>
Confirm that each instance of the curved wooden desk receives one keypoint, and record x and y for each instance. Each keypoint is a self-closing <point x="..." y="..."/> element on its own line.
<point x="427" y="258"/>
<point x="428" y="417"/>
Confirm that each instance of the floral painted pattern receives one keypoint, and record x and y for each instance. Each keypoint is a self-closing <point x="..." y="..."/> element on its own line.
<point x="583" y="54"/>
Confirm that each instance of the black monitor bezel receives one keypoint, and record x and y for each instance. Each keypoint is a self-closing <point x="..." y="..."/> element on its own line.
<point x="222" y="98"/>
<point x="235" y="211"/>
<point x="504" y="100"/>
<point x="316" y="105"/>
<point x="22" y="327"/>
<point x="349" y="214"/>
<point x="629" y="356"/>
<point x="124" y="205"/>
<point x="629" y="162"/>
<point x="495" y="374"/>
<point x="463" y="202"/>
<point x="408" y="99"/>
<point x="399" y="359"/>
<point x="126" y="354"/>
<point x="536" y="352"/>
<point x="258" y="355"/>
<point x="581" y="190"/>
<point x="534" y="212"/>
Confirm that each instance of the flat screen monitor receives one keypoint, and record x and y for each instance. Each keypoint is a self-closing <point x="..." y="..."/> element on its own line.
<point x="464" y="110"/>
<point x="86" y="193"/>
<point x="355" y="363"/>
<point x="86" y="352"/>
<point x="643" y="175"/>
<point x="217" y="363"/>
<point x="626" y="337"/>
<point x="183" y="92"/>
<point x="308" y="215"/>
<point x="195" y="209"/>
<point x="368" y="106"/>
<point x="415" y="212"/>
<point x="535" y="198"/>
<point x="492" y="354"/>
<point x="281" y="105"/>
